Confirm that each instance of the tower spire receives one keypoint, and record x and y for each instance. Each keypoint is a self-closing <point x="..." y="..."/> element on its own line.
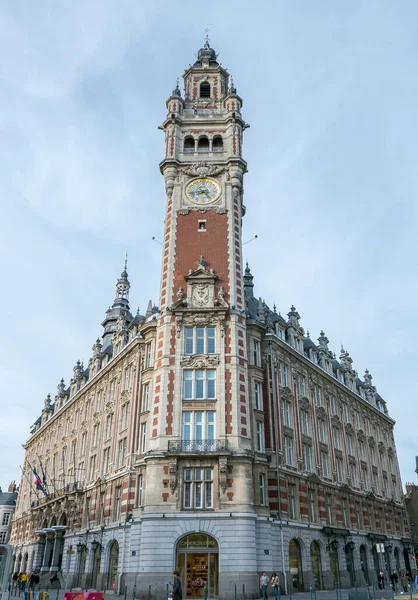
<point x="119" y="307"/>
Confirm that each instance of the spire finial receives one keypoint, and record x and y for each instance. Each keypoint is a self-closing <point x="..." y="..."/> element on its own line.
<point x="207" y="29"/>
<point x="126" y="260"/>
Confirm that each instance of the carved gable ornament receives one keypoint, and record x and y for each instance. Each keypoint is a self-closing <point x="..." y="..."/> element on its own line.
<point x="335" y="421"/>
<point x="202" y="169"/>
<point x="320" y="413"/>
<point x="304" y="404"/>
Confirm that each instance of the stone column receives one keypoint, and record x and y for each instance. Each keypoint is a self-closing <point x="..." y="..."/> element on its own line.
<point x="58" y="547"/>
<point x="49" y="545"/>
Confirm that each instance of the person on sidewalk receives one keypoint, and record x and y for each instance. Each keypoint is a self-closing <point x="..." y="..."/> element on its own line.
<point x="404" y="583"/>
<point x="264" y="581"/>
<point x="177" y="589"/>
<point x="275" y="584"/>
<point x="381" y="580"/>
<point x="394" y="580"/>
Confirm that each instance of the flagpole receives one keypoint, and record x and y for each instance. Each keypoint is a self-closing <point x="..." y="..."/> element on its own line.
<point x="43" y="475"/>
<point x="29" y="481"/>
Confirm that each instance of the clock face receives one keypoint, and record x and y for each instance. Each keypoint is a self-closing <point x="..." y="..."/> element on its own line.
<point x="203" y="191"/>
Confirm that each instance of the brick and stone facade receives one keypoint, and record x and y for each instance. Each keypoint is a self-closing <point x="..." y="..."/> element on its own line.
<point x="211" y="434"/>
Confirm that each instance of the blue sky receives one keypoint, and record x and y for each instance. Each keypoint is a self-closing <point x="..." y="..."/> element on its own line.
<point x="330" y="92"/>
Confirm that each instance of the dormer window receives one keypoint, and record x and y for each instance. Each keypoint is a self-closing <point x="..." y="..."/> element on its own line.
<point x="188" y="145"/>
<point x="204" y="91"/>
<point x="203" y="144"/>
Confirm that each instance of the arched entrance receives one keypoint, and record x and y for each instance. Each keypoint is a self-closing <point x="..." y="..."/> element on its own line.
<point x="97" y="560"/>
<point x="349" y="559"/>
<point x="397" y="560"/>
<point x="25" y="563"/>
<point x="198" y="564"/>
<point x="295" y="563"/>
<point x="406" y="559"/>
<point x="334" y="563"/>
<point x="376" y="562"/>
<point x="113" y="566"/>
<point x="82" y="551"/>
<point x="364" y="565"/>
<point x="316" y="565"/>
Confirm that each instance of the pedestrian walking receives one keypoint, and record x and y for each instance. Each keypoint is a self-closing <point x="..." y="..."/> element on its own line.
<point x="394" y="580"/>
<point x="404" y="583"/>
<point x="177" y="589"/>
<point x="264" y="581"/>
<point x="381" y="580"/>
<point x="275" y="584"/>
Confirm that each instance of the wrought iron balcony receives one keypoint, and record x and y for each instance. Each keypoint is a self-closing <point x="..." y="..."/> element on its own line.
<point x="198" y="446"/>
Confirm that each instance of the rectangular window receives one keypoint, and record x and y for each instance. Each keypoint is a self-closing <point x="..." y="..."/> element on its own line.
<point x="199" y="426"/>
<point x="301" y="384"/>
<point x="83" y="444"/>
<point x="148" y="356"/>
<point x="6" y="518"/>
<point x="336" y="438"/>
<point x="283" y="374"/>
<point x="106" y="461"/>
<point x="382" y="461"/>
<point x="124" y="415"/>
<point x="332" y="405"/>
<point x="3" y="537"/>
<point x="260" y="436"/>
<point x="262" y="490"/>
<point x="139" y="490"/>
<point x="329" y="509"/>
<point x="92" y="469"/>
<point x="145" y="397"/>
<point x="122" y="452"/>
<point x="95" y="435"/>
<point x="352" y="471"/>
<point x="143" y="438"/>
<point x="286" y="408"/>
<point x="258" y="395"/>
<point x="311" y="505"/>
<point x="322" y="431"/>
<point x="344" y="512"/>
<point x="304" y="422"/>
<point x="198" y="488"/>
<point x="345" y="413"/>
<point x="307" y="458"/>
<point x="288" y="450"/>
<point x="350" y="445"/>
<point x="127" y="381"/>
<point x="372" y="455"/>
<point x="317" y="394"/>
<point x="358" y="515"/>
<point x="199" y="340"/>
<point x="376" y="483"/>
<point x="109" y="426"/>
<point x="340" y="469"/>
<point x="361" y="449"/>
<point x="99" y="398"/>
<point x="112" y="390"/>
<point x="291" y="500"/>
<point x="101" y="507"/>
<point x="280" y="332"/>
<point x="256" y="353"/>
<point x="365" y="479"/>
<point x="324" y="463"/>
<point x="357" y="417"/>
<point x="118" y="502"/>
<point x="199" y="384"/>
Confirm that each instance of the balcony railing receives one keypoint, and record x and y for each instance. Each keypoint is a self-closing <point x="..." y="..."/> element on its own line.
<point x="198" y="446"/>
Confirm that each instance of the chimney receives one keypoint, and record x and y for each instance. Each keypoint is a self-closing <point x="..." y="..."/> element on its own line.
<point x="12" y="486"/>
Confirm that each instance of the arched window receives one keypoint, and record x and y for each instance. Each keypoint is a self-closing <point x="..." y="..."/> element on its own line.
<point x="316" y="565"/>
<point x="295" y="561"/>
<point x="203" y="144"/>
<point x="217" y="144"/>
<point x="188" y="145"/>
<point x="204" y="89"/>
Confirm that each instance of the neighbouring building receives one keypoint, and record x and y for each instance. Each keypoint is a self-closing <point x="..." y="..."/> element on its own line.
<point x="7" y="508"/>
<point x="411" y="501"/>
<point x="211" y="434"/>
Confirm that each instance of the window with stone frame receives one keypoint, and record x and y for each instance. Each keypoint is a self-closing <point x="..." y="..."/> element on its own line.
<point x="344" y="511"/>
<point x="262" y="484"/>
<point x="5" y="519"/>
<point x="336" y="438"/>
<point x="148" y="355"/>
<point x="329" y="509"/>
<point x="118" y="503"/>
<point x="197" y="488"/>
<point x="143" y="438"/>
<point x="283" y="374"/>
<point x="3" y="535"/>
<point x="322" y="431"/>
<point x="260" y="436"/>
<point x="258" y="395"/>
<point x="304" y="422"/>
<point x="106" y="461"/>
<point x="139" y="490"/>
<point x="286" y="410"/>
<point x="353" y="473"/>
<point x="108" y="426"/>
<point x="365" y="478"/>
<point x="256" y="353"/>
<point x="307" y="458"/>
<point x="350" y="444"/>
<point x="199" y="340"/>
<point x="288" y="450"/>
<point x="311" y="506"/>
<point x="122" y="447"/>
<point x="317" y="392"/>
<point x="92" y="468"/>
<point x="291" y="499"/>
<point x="124" y="415"/>
<point x="301" y="384"/>
<point x="323" y="457"/>
<point x="127" y="379"/>
<point x="199" y="427"/>
<point x="95" y="436"/>
<point x="145" y="397"/>
<point x="199" y="384"/>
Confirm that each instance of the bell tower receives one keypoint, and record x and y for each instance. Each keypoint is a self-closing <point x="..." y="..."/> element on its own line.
<point x="199" y="438"/>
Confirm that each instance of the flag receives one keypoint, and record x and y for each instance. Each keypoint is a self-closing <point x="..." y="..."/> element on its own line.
<point x="37" y="481"/>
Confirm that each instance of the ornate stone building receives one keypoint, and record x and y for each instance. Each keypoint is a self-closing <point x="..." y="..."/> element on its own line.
<point x="211" y="434"/>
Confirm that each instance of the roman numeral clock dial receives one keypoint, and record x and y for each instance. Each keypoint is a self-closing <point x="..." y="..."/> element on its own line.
<point x="203" y="191"/>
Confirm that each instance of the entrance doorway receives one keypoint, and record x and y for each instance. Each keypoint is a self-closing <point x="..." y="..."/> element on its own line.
<point x="349" y="557"/>
<point x="97" y="560"/>
<point x="406" y="559"/>
<point x="295" y="563"/>
<point x="113" y="566"/>
<point x="397" y="560"/>
<point x="334" y="562"/>
<point x="364" y="564"/>
<point x="316" y="565"/>
<point x="198" y="565"/>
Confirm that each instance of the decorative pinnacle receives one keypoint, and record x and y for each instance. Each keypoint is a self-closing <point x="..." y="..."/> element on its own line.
<point x="207" y="29"/>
